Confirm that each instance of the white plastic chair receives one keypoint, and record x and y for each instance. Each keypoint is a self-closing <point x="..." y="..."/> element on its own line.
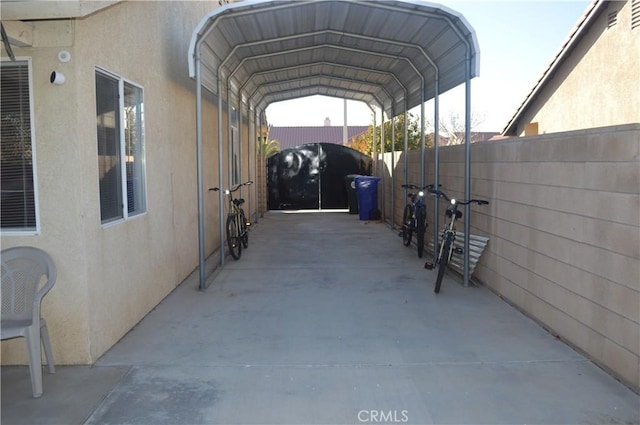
<point x="28" y="273"/>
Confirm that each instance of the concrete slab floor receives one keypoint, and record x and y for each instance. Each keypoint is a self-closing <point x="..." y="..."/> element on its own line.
<point x="327" y="320"/>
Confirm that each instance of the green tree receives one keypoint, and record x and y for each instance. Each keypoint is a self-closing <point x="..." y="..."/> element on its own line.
<point x="364" y="142"/>
<point x="267" y="148"/>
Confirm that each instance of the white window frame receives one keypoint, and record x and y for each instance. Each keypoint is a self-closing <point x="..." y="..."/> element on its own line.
<point x="34" y="159"/>
<point x="126" y="216"/>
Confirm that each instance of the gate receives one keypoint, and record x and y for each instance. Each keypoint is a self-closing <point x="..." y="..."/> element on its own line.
<point x="312" y="176"/>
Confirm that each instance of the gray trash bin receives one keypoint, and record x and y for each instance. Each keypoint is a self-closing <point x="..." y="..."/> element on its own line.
<point x="352" y="197"/>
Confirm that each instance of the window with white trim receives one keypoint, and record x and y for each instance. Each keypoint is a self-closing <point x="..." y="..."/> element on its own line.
<point x="18" y="203"/>
<point x="121" y="160"/>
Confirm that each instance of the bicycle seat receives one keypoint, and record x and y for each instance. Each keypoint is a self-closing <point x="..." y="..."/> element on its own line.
<point x="239" y="201"/>
<point x="448" y="213"/>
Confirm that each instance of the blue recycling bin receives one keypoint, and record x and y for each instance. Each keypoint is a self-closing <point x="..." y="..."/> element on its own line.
<point x="367" y="192"/>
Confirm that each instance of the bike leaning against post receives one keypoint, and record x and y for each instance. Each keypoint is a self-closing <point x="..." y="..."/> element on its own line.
<point x="237" y="225"/>
<point x="446" y="248"/>
<point x="414" y="219"/>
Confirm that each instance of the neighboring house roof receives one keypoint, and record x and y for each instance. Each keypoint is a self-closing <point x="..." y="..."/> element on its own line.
<point x="294" y="136"/>
<point x="482" y="136"/>
<point x="585" y="21"/>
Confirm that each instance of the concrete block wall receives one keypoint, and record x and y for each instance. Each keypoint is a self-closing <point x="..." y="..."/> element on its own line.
<point x="261" y="186"/>
<point x="564" y="229"/>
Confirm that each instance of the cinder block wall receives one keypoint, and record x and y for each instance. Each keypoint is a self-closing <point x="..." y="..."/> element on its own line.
<point x="564" y="229"/>
<point x="261" y="186"/>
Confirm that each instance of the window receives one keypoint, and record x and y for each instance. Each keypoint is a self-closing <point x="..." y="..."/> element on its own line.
<point x="121" y="164"/>
<point x="635" y="14"/>
<point x="18" y="203"/>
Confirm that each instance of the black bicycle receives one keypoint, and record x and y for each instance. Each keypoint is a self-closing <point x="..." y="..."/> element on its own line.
<point x="446" y="248"/>
<point x="414" y="219"/>
<point x="237" y="223"/>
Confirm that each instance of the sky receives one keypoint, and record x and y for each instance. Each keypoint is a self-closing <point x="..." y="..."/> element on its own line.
<point x="518" y="39"/>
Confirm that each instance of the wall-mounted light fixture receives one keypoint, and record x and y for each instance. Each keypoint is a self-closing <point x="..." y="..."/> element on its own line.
<point x="57" y="78"/>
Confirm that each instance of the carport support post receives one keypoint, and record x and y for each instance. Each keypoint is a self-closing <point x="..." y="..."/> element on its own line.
<point x="436" y="167"/>
<point x="220" y="169"/>
<point x="422" y="150"/>
<point x="382" y="172"/>
<point x="248" y="157"/>
<point x="201" y="260"/>
<point x="230" y="146"/>
<point x="406" y="149"/>
<point x="240" y="167"/>
<point x="258" y="158"/>
<point x="374" y="149"/>
<point x="467" y="166"/>
<point x="393" y="174"/>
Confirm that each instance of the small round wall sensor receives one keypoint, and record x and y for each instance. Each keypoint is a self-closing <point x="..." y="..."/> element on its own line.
<point x="64" y="56"/>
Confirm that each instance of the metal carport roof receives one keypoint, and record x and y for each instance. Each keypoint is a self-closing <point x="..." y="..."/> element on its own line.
<point x="393" y="55"/>
<point x="399" y="50"/>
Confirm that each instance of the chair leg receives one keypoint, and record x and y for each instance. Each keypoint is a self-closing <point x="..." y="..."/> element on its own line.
<point x="46" y="343"/>
<point x="35" y="359"/>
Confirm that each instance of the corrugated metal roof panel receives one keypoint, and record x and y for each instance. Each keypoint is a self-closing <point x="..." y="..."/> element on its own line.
<point x="394" y="45"/>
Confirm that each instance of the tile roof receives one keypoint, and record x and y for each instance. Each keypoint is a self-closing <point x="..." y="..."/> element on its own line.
<point x="295" y="136"/>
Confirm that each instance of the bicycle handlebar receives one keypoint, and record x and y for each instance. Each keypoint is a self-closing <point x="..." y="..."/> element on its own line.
<point x="234" y="188"/>
<point x="428" y="187"/>
<point x="441" y="194"/>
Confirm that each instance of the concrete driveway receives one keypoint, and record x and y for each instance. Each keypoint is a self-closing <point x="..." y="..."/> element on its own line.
<point x="327" y="320"/>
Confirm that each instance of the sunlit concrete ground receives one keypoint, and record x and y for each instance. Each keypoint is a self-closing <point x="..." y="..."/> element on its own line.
<point x="327" y="319"/>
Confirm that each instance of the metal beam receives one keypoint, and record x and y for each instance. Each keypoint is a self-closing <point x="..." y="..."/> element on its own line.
<point x="201" y="259"/>
<point x="220" y="171"/>
<point x="467" y="167"/>
<point x="335" y="64"/>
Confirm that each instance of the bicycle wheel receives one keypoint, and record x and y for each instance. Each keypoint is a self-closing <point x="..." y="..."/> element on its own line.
<point x="406" y="226"/>
<point x="442" y="265"/>
<point x="420" y="231"/>
<point x="244" y="230"/>
<point x="233" y="241"/>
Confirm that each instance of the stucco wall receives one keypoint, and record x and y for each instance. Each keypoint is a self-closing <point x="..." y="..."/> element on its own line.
<point x="564" y="232"/>
<point x="598" y="85"/>
<point x="110" y="277"/>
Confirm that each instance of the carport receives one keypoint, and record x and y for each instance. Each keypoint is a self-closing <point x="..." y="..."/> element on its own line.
<point x="392" y="55"/>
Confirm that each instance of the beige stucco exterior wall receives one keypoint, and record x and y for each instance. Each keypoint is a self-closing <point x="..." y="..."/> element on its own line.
<point x="599" y="83"/>
<point x="564" y="232"/>
<point x="110" y="277"/>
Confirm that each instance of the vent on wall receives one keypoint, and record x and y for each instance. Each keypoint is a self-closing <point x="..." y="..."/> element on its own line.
<point x="612" y="19"/>
<point x="635" y="14"/>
